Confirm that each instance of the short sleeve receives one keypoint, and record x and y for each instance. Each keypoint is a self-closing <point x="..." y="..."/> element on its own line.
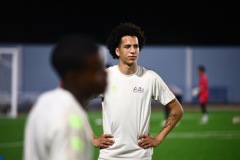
<point x="160" y="91"/>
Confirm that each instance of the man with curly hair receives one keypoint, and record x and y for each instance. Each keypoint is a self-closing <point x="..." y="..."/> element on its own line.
<point x="126" y="103"/>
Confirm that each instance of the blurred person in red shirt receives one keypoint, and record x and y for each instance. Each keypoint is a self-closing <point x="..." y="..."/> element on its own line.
<point x="203" y="93"/>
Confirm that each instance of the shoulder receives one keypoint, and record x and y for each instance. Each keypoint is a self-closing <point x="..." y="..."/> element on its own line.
<point x="111" y="68"/>
<point x="57" y="99"/>
<point x="54" y="94"/>
<point x="147" y="72"/>
<point x="204" y="77"/>
<point x="45" y="96"/>
<point x="152" y="77"/>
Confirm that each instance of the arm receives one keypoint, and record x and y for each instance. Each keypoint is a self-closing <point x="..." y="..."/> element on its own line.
<point x="176" y="112"/>
<point x="103" y="141"/>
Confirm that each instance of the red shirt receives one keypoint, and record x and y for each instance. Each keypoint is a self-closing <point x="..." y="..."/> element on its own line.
<point x="203" y="86"/>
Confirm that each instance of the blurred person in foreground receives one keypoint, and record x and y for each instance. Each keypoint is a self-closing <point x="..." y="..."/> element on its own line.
<point x="126" y="103"/>
<point x="57" y="126"/>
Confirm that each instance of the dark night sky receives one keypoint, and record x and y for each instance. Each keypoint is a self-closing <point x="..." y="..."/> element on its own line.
<point x="164" y="24"/>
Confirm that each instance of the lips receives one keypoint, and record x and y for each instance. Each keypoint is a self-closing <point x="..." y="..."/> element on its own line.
<point x="132" y="57"/>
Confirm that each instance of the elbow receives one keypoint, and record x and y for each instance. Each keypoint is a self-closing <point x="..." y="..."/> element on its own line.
<point x="181" y="111"/>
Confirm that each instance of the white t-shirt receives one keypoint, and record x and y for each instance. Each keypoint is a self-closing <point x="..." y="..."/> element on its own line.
<point x="57" y="128"/>
<point x="126" y="111"/>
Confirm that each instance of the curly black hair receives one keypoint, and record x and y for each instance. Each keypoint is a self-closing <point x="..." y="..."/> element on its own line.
<point x="124" y="29"/>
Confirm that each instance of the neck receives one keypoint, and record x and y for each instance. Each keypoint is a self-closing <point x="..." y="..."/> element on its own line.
<point x="127" y="69"/>
<point x="80" y="97"/>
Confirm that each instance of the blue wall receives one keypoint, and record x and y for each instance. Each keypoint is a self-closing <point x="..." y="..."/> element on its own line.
<point x="37" y="74"/>
<point x="223" y="68"/>
<point x="222" y="65"/>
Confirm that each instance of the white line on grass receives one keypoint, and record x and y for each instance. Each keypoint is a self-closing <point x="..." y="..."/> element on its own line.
<point x="11" y="144"/>
<point x="205" y="135"/>
<point x="180" y="135"/>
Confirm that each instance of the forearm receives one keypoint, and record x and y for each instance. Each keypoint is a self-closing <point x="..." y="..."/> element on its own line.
<point x="93" y="136"/>
<point x="176" y="112"/>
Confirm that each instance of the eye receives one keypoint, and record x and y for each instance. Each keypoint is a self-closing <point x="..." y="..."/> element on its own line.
<point x="136" y="46"/>
<point x="127" y="46"/>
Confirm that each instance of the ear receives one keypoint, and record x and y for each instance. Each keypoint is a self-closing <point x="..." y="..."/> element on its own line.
<point x="117" y="52"/>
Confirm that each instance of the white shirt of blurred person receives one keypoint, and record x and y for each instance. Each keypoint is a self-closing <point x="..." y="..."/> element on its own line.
<point x="57" y="126"/>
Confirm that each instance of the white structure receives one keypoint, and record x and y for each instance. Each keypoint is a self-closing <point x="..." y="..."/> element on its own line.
<point x="9" y="78"/>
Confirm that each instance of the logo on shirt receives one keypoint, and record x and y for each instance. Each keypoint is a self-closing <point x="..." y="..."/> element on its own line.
<point x="114" y="88"/>
<point x="138" y="89"/>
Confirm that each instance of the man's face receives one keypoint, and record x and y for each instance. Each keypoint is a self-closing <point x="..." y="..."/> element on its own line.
<point x="95" y="76"/>
<point x="128" y="50"/>
<point x="200" y="72"/>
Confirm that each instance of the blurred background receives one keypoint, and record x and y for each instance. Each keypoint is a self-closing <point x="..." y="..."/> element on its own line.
<point x="177" y="65"/>
<point x="180" y="36"/>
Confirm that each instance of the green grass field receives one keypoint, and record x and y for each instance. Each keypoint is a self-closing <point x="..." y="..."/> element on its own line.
<point x="218" y="139"/>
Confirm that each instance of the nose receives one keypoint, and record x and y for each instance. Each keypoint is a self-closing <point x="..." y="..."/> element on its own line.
<point x="132" y="49"/>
